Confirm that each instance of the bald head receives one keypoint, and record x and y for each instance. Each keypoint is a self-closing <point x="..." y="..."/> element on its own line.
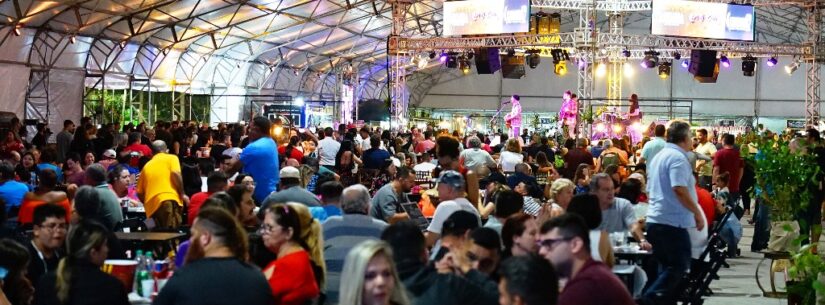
<point x="158" y="146"/>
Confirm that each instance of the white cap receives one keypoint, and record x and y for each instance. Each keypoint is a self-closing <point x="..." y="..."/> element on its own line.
<point x="290" y="172"/>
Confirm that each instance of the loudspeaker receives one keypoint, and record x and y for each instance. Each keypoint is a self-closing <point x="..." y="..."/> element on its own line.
<point x="487" y="60"/>
<point x="704" y="66"/>
<point x="513" y="67"/>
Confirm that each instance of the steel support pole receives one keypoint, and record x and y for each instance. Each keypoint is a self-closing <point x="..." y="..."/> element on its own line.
<point x="812" y="81"/>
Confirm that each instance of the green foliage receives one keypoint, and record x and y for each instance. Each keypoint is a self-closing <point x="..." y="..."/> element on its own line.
<point x="112" y="106"/>
<point x="783" y="179"/>
<point x="805" y="271"/>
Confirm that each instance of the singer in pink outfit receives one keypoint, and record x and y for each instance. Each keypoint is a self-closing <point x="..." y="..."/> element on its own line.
<point x="513" y="119"/>
<point x="569" y="112"/>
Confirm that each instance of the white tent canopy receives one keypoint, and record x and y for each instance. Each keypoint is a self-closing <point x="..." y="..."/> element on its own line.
<point x="53" y="52"/>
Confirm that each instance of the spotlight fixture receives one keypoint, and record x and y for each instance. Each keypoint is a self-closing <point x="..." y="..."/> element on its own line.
<point x="685" y="64"/>
<point x="772" y="61"/>
<point x="749" y="65"/>
<point x="465" y="67"/>
<point x="533" y="59"/>
<point x="664" y="70"/>
<point x="432" y="54"/>
<point x="560" y="68"/>
<point x="677" y="55"/>
<point x="626" y="52"/>
<point x="601" y="69"/>
<point x="443" y="57"/>
<point x="123" y="43"/>
<point x="18" y="29"/>
<point x="471" y="54"/>
<point x="511" y="52"/>
<point x="725" y="61"/>
<point x="581" y="63"/>
<point x="72" y="39"/>
<point x="628" y="69"/>
<point x="651" y="59"/>
<point x="452" y="60"/>
<point x="423" y="62"/>
<point x="790" y="69"/>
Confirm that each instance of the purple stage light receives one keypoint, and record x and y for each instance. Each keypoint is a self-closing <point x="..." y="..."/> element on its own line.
<point x="772" y="62"/>
<point x="685" y="64"/>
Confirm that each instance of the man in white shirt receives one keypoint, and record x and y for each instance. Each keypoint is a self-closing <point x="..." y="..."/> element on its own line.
<point x="425" y="163"/>
<point x="327" y="149"/>
<point x="363" y="140"/>
<point x="474" y="157"/>
<point x="450" y="192"/>
<point x="706" y="148"/>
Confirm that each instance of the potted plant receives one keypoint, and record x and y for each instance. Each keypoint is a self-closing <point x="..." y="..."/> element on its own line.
<point x="808" y="277"/>
<point x="783" y="180"/>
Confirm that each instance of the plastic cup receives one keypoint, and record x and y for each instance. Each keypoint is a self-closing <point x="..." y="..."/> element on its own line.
<point x="122" y="269"/>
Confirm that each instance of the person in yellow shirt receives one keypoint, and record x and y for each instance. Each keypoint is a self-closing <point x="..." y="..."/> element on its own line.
<point x="160" y="188"/>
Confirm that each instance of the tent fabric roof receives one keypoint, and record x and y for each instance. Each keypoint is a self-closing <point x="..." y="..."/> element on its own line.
<point x="206" y="38"/>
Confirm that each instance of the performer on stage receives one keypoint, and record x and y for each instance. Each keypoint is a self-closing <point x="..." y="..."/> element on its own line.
<point x="569" y="112"/>
<point x="513" y="119"/>
<point x="633" y="119"/>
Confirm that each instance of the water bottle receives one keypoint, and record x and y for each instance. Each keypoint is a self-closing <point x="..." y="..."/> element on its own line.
<point x="147" y="279"/>
<point x="138" y="268"/>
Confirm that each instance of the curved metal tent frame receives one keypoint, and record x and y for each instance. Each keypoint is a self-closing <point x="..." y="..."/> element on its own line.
<point x="217" y="47"/>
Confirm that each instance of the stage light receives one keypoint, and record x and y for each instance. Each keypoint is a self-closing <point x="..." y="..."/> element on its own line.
<point x="748" y="65"/>
<point x="464" y="65"/>
<point x="600" y="127"/>
<point x="772" y="61"/>
<point x="443" y="58"/>
<point x="18" y="29"/>
<point x="790" y="69"/>
<point x="560" y="68"/>
<point x="511" y="52"/>
<point x="299" y="101"/>
<point x="626" y="53"/>
<point x="423" y="62"/>
<point x="452" y="60"/>
<point x="432" y="54"/>
<point x="123" y="43"/>
<point x="533" y="60"/>
<point x="685" y="64"/>
<point x="617" y="128"/>
<point x="72" y="39"/>
<point x="664" y="70"/>
<point x="581" y="63"/>
<point x="651" y="59"/>
<point x="601" y="69"/>
<point x="628" y="69"/>
<point x="677" y="55"/>
<point x="471" y="54"/>
<point x="725" y="61"/>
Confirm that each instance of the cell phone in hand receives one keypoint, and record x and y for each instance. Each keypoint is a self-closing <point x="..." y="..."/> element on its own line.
<point x="442" y="251"/>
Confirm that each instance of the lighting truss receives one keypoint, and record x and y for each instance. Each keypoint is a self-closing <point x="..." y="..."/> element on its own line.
<point x="568" y="40"/>
<point x="635" y="6"/>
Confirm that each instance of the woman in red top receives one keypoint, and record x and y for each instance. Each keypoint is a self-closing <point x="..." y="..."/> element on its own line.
<point x="291" y="150"/>
<point x="291" y="275"/>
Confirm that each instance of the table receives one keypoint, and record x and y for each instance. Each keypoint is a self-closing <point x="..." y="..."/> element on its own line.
<point x="775" y="258"/>
<point x="630" y="253"/>
<point x="148" y="236"/>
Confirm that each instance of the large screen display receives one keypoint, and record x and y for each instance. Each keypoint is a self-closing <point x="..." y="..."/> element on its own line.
<point x="473" y="17"/>
<point x="703" y="20"/>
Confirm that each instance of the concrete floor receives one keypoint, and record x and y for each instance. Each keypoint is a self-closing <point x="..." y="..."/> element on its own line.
<point x="737" y="284"/>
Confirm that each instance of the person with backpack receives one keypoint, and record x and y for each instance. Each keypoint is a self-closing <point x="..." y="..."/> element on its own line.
<point x="612" y="155"/>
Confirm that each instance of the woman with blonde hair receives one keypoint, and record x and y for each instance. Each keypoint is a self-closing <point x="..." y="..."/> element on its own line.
<point x="311" y="233"/>
<point x="510" y="156"/>
<point x="372" y="277"/>
<point x="560" y="192"/>
<point x="78" y="279"/>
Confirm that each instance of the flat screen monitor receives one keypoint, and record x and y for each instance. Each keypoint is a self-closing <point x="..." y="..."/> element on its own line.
<point x="475" y="17"/>
<point x="703" y="20"/>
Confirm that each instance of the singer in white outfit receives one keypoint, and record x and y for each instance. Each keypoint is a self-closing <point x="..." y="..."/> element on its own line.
<point x="513" y="119"/>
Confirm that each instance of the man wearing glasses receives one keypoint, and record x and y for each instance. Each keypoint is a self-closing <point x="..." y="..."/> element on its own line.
<point x="565" y="242"/>
<point x="48" y="235"/>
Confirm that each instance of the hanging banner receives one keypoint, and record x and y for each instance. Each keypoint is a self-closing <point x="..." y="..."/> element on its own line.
<point x="703" y="20"/>
<point x="475" y="17"/>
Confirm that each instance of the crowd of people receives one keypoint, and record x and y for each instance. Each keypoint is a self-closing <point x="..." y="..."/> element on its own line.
<point x="280" y="215"/>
